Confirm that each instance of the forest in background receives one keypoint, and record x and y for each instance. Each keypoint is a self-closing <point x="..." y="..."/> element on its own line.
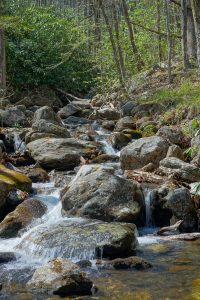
<point x="84" y="44"/>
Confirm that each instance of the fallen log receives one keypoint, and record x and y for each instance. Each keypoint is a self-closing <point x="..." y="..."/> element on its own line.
<point x="181" y="237"/>
<point x="142" y="176"/>
<point x="170" y="228"/>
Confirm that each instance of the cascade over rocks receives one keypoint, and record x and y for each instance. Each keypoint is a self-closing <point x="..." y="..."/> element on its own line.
<point x="59" y="153"/>
<point x="62" y="277"/>
<point x="97" y="193"/>
<point x="143" y="151"/>
<point x="81" y="239"/>
<point x="184" y="171"/>
<point x="22" y="216"/>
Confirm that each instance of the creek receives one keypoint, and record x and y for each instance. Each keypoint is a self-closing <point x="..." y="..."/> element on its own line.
<point x="175" y="273"/>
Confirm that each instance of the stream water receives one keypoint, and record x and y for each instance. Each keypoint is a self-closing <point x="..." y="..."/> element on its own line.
<point x="175" y="273"/>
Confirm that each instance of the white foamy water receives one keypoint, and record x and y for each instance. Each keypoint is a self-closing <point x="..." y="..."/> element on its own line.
<point x="19" y="145"/>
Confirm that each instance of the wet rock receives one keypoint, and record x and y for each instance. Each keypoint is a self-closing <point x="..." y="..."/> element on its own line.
<point x="109" y="125"/>
<point x="143" y="151"/>
<point x="118" y="139"/>
<point x="46" y="113"/>
<point x="175" y="151"/>
<point x="6" y="257"/>
<point x="133" y="262"/>
<point x="14" y="179"/>
<point x="59" y="154"/>
<point x="84" y="264"/>
<point x="124" y="123"/>
<point x="38" y="175"/>
<point x="13" y="116"/>
<point x="46" y="129"/>
<point x="97" y="193"/>
<point x="170" y="205"/>
<point x="22" y="216"/>
<point x="108" y="113"/>
<point x="73" y="121"/>
<point x="105" y="158"/>
<point x="184" y="171"/>
<point x="172" y="134"/>
<point x="81" y="239"/>
<point x="68" y="110"/>
<point x="62" y="277"/>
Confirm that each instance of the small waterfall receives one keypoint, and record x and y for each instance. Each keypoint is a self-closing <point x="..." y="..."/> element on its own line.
<point x="101" y="137"/>
<point x="19" y="145"/>
<point x="148" y="208"/>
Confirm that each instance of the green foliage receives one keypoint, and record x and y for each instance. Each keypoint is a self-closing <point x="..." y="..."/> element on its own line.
<point x="46" y="48"/>
<point x="191" y="152"/>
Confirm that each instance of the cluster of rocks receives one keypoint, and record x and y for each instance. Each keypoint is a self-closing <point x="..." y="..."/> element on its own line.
<point x="61" y="138"/>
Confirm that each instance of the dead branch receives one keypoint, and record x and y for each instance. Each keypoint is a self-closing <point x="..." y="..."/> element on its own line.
<point x="170" y="228"/>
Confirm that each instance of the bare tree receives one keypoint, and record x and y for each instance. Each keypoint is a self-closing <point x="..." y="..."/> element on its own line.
<point x="169" y="39"/>
<point x="184" y="33"/>
<point x="196" y="15"/>
<point x="2" y="60"/>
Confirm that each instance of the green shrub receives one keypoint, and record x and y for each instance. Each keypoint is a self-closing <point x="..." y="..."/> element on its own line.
<point x="44" y="48"/>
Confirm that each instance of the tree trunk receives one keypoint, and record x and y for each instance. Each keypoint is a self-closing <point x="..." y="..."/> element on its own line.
<point x="191" y="37"/>
<point x="169" y="40"/>
<point x="136" y="53"/>
<point x="196" y="15"/>
<point x="184" y="33"/>
<point x="159" y="30"/>
<point x="2" y="61"/>
<point x="119" y="48"/>
<point x="112" y="40"/>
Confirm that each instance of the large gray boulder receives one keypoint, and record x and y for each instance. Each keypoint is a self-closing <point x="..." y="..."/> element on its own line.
<point x="171" y="205"/>
<point x="14" y="116"/>
<point x="22" y="216"/>
<point x="68" y="110"/>
<point x="184" y="171"/>
<point x="62" y="277"/>
<point x="46" y="113"/>
<point x="46" y="124"/>
<point x="80" y="239"/>
<point x="172" y="134"/>
<point x="143" y="151"/>
<point x="99" y="194"/>
<point x="108" y="113"/>
<point x="59" y="153"/>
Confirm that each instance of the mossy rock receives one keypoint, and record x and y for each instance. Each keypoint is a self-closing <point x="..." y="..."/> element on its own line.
<point x="149" y="130"/>
<point x="15" y="179"/>
<point x="135" y="134"/>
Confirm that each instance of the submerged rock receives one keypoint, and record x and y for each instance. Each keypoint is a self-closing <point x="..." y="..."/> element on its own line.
<point x="62" y="277"/>
<point x="132" y="262"/>
<point x="97" y="193"/>
<point x="143" y="151"/>
<point x="38" y="175"/>
<point x="81" y="239"/>
<point x="6" y="257"/>
<point x="59" y="153"/>
<point x="22" y="216"/>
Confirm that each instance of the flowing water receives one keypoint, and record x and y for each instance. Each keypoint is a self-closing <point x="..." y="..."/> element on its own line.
<point x="175" y="273"/>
